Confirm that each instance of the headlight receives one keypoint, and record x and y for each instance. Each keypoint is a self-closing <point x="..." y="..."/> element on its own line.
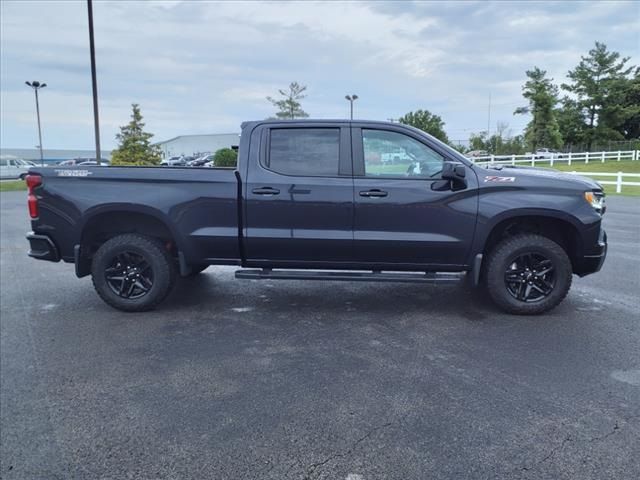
<point x="596" y="200"/>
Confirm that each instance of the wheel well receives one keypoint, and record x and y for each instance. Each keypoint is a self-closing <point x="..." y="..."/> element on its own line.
<point x="102" y="227"/>
<point x="560" y="231"/>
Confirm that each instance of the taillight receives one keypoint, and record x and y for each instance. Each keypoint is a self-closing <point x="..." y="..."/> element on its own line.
<point x="33" y="181"/>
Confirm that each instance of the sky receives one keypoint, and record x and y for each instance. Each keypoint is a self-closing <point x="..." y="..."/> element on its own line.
<point x="204" y="67"/>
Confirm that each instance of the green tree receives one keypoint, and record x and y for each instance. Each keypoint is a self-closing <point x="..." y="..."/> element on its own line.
<point x="459" y="147"/>
<point x="478" y="141"/>
<point x="598" y="83"/>
<point x="225" y="157"/>
<point x="134" y="146"/>
<point x="542" y="94"/>
<point x="570" y="122"/>
<point x="631" y="104"/>
<point x="500" y="143"/>
<point x="427" y="122"/>
<point x="289" y="105"/>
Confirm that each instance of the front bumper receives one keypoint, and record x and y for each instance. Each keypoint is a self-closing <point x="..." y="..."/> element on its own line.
<point x="593" y="262"/>
<point x="42" y="247"/>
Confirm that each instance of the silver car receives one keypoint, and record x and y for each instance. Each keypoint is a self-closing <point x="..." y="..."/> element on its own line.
<point x="12" y="167"/>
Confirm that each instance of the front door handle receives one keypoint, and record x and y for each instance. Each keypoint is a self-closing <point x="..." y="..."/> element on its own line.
<point x="265" y="191"/>
<point x="375" y="193"/>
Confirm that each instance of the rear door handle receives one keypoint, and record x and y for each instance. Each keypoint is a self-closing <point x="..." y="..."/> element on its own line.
<point x="375" y="193"/>
<point x="265" y="191"/>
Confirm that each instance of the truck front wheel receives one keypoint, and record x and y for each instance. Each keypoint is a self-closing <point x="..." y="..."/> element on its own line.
<point x="132" y="272"/>
<point x="528" y="274"/>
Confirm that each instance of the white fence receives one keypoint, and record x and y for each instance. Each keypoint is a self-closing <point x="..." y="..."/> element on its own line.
<point x="618" y="182"/>
<point x="618" y="179"/>
<point x="551" y="158"/>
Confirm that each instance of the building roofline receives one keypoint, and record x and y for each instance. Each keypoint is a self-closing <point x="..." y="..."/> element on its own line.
<point x="196" y="135"/>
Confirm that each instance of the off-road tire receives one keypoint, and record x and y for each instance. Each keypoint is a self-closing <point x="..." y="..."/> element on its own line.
<point x="154" y="253"/>
<point x="499" y="260"/>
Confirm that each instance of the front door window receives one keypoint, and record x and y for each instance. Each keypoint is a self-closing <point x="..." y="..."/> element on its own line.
<point x="395" y="155"/>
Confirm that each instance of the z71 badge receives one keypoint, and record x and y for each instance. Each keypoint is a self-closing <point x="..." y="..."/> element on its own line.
<point x="493" y="178"/>
<point x="73" y="173"/>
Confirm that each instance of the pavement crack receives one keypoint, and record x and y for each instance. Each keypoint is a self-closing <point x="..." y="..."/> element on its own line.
<point x="312" y="468"/>
<point x="549" y="455"/>
<point x="616" y="427"/>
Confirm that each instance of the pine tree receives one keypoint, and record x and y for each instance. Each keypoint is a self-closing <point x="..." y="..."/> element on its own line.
<point x="631" y="103"/>
<point x="134" y="146"/>
<point x="542" y="94"/>
<point x="598" y="83"/>
<point x="289" y="106"/>
<point x="571" y="122"/>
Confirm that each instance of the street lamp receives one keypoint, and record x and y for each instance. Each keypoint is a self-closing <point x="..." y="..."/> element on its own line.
<point x="94" y="81"/>
<point x="37" y="86"/>
<point x="351" y="98"/>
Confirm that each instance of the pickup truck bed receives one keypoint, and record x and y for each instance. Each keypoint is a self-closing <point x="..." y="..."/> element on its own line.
<point x="198" y="206"/>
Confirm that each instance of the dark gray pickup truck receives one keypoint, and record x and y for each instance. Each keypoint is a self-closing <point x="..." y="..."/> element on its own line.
<point x="323" y="200"/>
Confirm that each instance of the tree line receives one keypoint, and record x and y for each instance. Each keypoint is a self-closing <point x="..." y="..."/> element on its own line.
<point x="601" y="102"/>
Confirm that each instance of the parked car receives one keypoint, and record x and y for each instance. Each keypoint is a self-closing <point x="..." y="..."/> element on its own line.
<point x="394" y="157"/>
<point x="303" y="196"/>
<point x="76" y="161"/>
<point x="173" y="162"/>
<point x="87" y="163"/>
<point x="12" y="167"/>
<point x="546" y="153"/>
<point x="200" y="161"/>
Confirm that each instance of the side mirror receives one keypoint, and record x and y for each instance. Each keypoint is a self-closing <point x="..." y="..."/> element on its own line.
<point x="453" y="174"/>
<point x="453" y="171"/>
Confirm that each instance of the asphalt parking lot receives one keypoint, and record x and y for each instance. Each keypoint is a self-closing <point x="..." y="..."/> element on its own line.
<point x="235" y="379"/>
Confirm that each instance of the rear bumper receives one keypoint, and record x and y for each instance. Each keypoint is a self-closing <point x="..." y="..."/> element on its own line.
<point x="593" y="262"/>
<point x="42" y="247"/>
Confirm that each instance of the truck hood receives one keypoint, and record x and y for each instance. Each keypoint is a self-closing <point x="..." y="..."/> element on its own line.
<point x="517" y="171"/>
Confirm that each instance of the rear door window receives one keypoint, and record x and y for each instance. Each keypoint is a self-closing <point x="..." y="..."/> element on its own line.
<point x="304" y="151"/>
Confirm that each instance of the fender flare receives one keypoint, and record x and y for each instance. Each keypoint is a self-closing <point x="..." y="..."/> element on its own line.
<point x="102" y="209"/>
<point x="486" y="226"/>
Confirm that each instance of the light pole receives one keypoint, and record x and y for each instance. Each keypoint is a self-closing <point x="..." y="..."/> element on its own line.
<point x="37" y="86"/>
<point x="94" y="81"/>
<point x="351" y="98"/>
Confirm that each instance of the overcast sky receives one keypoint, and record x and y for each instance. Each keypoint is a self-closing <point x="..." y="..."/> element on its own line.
<point x="204" y="67"/>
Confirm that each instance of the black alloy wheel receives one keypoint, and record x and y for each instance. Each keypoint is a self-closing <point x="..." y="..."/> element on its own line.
<point x="129" y="275"/>
<point x="133" y="272"/>
<point x="527" y="274"/>
<point x="530" y="277"/>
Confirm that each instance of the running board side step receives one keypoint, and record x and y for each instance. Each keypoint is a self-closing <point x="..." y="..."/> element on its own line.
<point x="375" y="276"/>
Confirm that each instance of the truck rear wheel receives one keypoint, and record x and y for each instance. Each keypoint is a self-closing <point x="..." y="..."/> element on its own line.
<point x="132" y="273"/>
<point x="528" y="274"/>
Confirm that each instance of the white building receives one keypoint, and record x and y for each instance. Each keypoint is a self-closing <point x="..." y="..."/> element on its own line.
<point x="198" y="144"/>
